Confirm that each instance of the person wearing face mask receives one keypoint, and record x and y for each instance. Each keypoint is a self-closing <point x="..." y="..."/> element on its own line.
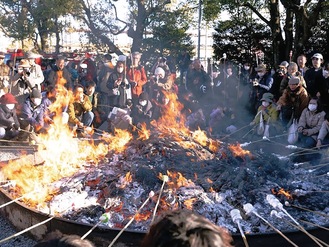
<point x="314" y="78"/>
<point x="310" y="123"/>
<point x="267" y="113"/>
<point x="36" y="76"/>
<point x="293" y="101"/>
<point x="119" y="87"/>
<point x="143" y="111"/>
<point x="31" y="118"/>
<point x="9" y="124"/>
<point x="262" y="83"/>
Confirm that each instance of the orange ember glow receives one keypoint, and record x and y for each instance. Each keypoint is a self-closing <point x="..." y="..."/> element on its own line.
<point x="281" y="191"/>
<point x="142" y="216"/>
<point x="125" y="180"/>
<point x="238" y="151"/>
<point x="189" y="203"/>
<point x="177" y="180"/>
<point x="209" y="180"/>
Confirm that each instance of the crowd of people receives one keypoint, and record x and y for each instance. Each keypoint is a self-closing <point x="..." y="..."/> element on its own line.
<point x="124" y="94"/>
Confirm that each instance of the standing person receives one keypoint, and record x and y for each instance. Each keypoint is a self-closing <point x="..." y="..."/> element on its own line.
<point x="183" y="61"/>
<point x="60" y="71"/>
<point x="136" y="76"/>
<point x="198" y="81"/>
<point x="314" y="78"/>
<point x="301" y="62"/>
<point x="292" y="102"/>
<point x="310" y="123"/>
<point x="20" y="85"/>
<point x="262" y="83"/>
<point x="9" y="124"/>
<point x="120" y="91"/>
<point x="278" y="76"/>
<point x="36" y="75"/>
<point x="4" y="76"/>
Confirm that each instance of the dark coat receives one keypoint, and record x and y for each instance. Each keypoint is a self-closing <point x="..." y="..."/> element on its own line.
<point x="53" y="77"/>
<point x="33" y="115"/>
<point x="7" y="117"/>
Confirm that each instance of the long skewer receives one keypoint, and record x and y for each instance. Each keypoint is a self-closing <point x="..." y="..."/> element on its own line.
<point x="103" y="219"/>
<point x="165" y="179"/>
<point x="236" y="217"/>
<point x="151" y="194"/>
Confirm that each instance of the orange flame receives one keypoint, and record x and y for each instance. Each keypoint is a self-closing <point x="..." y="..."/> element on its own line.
<point x="238" y="151"/>
<point x="142" y="216"/>
<point x="144" y="133"/>
<point x="281" y="191"/>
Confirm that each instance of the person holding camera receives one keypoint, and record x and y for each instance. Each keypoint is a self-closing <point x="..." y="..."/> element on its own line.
<point x="36" y="76"/>
<point x="262" y="83"/>
<point x="22" y="84"/>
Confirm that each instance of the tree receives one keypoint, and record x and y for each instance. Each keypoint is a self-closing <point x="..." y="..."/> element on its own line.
<point x="298" y="20"/>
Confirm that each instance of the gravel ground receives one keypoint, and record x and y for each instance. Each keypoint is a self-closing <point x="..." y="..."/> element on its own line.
<point x="5" y="226"/>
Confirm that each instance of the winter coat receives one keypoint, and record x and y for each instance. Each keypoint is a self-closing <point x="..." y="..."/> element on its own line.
<point x="324" y="130"/>
<point x="55" y="74"/>
<point x="76" y="109"/>
<point x="33" y="115"/>
<point x="297" y="99"/>
<point x="137" y="79"/>
<point x="311" y="121"/>
<point x="270" y="114"/>
<point x="7" y="117"/>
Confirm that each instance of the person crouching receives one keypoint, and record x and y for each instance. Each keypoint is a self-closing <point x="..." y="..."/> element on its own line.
<point x="266" y="117"/>
<point x="9" y="124"/>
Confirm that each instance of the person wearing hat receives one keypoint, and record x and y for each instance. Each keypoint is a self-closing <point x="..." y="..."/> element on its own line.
<point x="36" y="76"/>
<point x="293" y="101"/>
<point x="292" y="71"/>
<point x="20" y="85"/>
<point x="136" y="76"/>
<point x="32" y="115"/>
<point x="9" y="124"/>
<point x="4" y="75"/>
<point x="262" y="83"/>
<point x="314" y="78"/>
<point x="266" y="117"/>
<point x="143" y="111"/>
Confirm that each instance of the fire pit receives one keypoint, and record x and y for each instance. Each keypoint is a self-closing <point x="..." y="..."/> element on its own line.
<point x="85" y="180"/>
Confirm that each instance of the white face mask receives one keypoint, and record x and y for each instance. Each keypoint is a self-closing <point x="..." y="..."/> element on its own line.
<point x="36" y="101"/>
<point x="10" y="106"/>
<point x="246" y="67"/>
<point x="143" y="102"/>
<point x="312" y="107"/>
<point x="325" y="73"/>
<point x="120" y="70"/>
<point x="265" y="103"/>
<point x="260" y="74"/>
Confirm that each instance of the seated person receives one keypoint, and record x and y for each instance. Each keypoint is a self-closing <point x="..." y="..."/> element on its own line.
<point x="266" y="117"/>
<point x="93" y="98"/>
<point x="184" y="228"/>
<point x="32" y="117"/>
<point x="143" y="111"/>
<point x="310" y="123"/>
<point x="323" y="138"/>
<point x="80" y="109"/>
<point x="9" y="124"/>
<point x="196" y="120"/>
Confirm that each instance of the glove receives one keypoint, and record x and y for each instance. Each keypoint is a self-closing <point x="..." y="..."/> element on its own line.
<point x="15" y="126"/>
<point x="133" y="84"/>
<point x="203" y="88"/>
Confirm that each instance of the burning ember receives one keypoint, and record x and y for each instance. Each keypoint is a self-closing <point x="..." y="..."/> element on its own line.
<point x="116" y="173"/>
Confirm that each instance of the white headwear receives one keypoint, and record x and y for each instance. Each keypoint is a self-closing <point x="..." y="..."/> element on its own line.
<point x="159" y="71"/>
